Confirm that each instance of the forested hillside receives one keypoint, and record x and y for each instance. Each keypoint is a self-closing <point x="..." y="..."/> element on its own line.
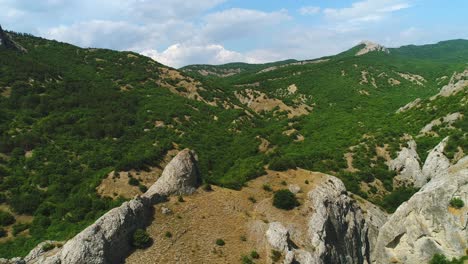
<point x="70" y="116"/>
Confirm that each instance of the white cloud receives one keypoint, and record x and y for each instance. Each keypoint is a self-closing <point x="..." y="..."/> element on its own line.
<point x="179" y="55"/>
<point x="365" y="11"/>
<point x="309" y="10"/>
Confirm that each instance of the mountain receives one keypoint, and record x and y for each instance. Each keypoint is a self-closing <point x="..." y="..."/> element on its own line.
<point x="83" y="130"/>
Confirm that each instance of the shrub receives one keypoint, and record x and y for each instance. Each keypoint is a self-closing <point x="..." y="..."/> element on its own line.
<point x="3" y="232"/>
<point x="20" y="227"/>
<point x="220" y="242"/>
<point x="254" y="254"/>
<point x="284" y="183"/>
<point x="180" y="199"/>
<point x="243" y="238"/>
<point x="285" y="199"/>
<point x="306" y="182"/>
<point x="48" y="247"/>
<point x="441" y="259"/>
<point x="267" y="187"/>
<point x="246" y="260"/>
<point x="6" y="218"/>
<point x="168" y="234"/>
<point x="275" y="255"/>
<point x="282" y="164"/>
<point x="457" y="203"/>
<point x="142" y="188"/>
<point x="207" y="187"/>
<point x="141" y="239"/>
<point x="252" y="199"/>
<point x="134" y="182"/>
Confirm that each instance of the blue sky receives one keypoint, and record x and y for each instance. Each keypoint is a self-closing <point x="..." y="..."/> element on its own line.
<point x="182" y="32"/>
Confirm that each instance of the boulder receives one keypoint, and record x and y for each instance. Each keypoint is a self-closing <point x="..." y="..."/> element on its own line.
<point x="436" y="162"/>
<point x="181" y="176"/>
<point x="407" y="165"/>
<point x="426" y="224"/>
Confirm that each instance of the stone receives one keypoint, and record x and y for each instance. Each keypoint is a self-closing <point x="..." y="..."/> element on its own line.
<point x="407" y="165"/>
<point x="436" y="162"/>
<point x="426" y="225"/>
<point x="165" y="210"/>
<point x="294" y="188"/>
<point x="181" y="176"/>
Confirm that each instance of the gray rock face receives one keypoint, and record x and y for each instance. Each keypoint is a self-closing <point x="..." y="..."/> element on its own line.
<point x="108" y="240"/>
<point x="436" y="162"/>
<point x="337" y="229"/>
<point x="407" y="165"/>
<point x="181" y="176"/>
<point x="7" y="42"/>
<point x="426" y="224"/>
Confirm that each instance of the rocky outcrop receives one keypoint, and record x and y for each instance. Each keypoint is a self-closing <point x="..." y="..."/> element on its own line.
<point x="409" y="105"/>
<point x="7" y="42"/>
<point x="369" y="47"/>
<point x="426" y="224"/>
<point x="108" y="240"/>
<point x="436" y="162"/>
<point x="105" y="241"/>
<point x="337" y="229"/>
<point x="448" y="120"/>
<point x="457" y="83"/>
<point x="181" y="176"/>
<point x="407" y="166"/>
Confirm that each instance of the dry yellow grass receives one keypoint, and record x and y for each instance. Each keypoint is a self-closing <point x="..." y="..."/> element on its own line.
<point x="229" y="215"/>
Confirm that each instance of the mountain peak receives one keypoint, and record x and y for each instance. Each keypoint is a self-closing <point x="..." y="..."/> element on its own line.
<point x="371" y="46"/>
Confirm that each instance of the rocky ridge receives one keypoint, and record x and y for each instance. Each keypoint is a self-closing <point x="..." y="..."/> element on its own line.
<point x="108" y="239"/>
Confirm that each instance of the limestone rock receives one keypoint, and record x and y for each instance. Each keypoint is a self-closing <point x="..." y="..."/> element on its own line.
<point x="436" y="162"/>
<point x="337" y="228"/>
<point x="407" y="165"/>
<point x="369" y="47"/>
<point x="106" y="241"/>
<point x="181" y="176"/>
<point x="426" y="224"/>
<point x="294" y="188"/>
<point x="457" y="83"/>
<point x="409" y="106"/>
<point x="7" y="42"/>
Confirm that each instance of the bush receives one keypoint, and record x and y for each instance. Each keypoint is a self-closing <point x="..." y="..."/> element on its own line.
<point x="141" y="239"/>
<point x="134" y="182"/>
<point x="282" y="164"/>
<point x="48" y="247"/>
<point x="267" y="187"/>
<point x="142" y="188"/>
<point x="254" y="254"/>
<point x="207" y="187"/>
<point x="246" y="260"/>
<point x="275" y="255"/>
<point x="3" y="232"/>
<point x="252" y="199"/>
<point x="457" y="203"/>
<point x="168" y="234"/>
<point x="220" y="242"/>
<point x="180" y="199"/>
<point x="441" y="259"/>
<point x="6" y="218"/>
<point x="285" y="199"/>
<point x="20" y="227"/>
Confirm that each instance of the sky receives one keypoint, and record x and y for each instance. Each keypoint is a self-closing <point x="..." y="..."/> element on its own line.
<point x="183" y="32"/>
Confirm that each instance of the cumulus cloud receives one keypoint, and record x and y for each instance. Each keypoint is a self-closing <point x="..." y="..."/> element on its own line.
<point x="309" y="10"/>
<point x="178" y="55"/>
<point x="365" y="11"/>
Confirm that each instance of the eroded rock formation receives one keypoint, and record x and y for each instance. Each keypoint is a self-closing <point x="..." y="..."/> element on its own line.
<point x="108" y="239"/>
